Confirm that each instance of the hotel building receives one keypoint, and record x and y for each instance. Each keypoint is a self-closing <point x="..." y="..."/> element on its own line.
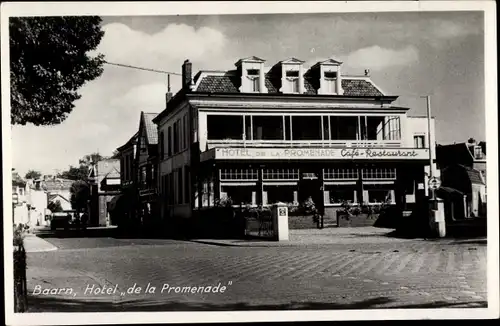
<point x="263" y="135"/>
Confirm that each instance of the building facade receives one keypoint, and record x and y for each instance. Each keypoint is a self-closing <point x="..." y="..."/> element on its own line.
<point x="105" y="185"/>
<point x="125" y="205"/>
<point x="258" y="135"/>
<point x="463" y="167"/>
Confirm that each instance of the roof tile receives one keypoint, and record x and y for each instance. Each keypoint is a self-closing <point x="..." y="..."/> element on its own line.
<point x="230" y="84"/>
<point x="151" y="130"/>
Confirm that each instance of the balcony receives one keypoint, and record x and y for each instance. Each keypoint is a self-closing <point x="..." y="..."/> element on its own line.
<point x="303" y="143"/>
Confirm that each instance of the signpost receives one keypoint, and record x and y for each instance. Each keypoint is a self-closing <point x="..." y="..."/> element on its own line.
<point x="434" y="184"/>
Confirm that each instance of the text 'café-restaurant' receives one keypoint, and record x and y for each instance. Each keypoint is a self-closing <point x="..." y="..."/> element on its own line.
<point x="286" y="133"/>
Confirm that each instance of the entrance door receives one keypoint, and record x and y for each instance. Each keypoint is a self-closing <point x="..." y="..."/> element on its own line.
<point x="312" y="188"/>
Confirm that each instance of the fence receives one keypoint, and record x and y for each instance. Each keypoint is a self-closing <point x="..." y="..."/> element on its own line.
<point x="20" y="284"/>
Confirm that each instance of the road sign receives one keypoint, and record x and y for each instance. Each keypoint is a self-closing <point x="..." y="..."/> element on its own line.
<point x="434" y="183"/>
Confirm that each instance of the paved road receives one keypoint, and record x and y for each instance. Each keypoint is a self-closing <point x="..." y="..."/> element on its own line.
<point x="336" y="276"/>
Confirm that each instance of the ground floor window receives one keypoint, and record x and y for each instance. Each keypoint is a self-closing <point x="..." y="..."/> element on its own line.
<point x="339" y="193"/>
<point x="285" y="193"/>
<point x="244" y="194"/>
<point x="379" y="193"/>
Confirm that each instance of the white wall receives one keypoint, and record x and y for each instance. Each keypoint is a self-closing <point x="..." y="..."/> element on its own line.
<point x="180" y="159"/>
<point x="418" y="126"/>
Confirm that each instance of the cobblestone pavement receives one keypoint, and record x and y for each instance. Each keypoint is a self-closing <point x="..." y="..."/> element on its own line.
<point x="337" y="276"/>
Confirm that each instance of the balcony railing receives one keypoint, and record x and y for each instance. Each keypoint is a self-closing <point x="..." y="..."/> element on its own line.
<point x="303" y="143"/>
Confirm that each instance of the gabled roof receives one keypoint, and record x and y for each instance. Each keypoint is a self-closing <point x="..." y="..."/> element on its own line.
<point x="104" y="167"/>
<point x="151" y="130"/>
<point x="130" y="142"/>
<point x="52" y="197"/>
<point x="230" y="84"/>
<point x="113" y="174"/>
<point x="474" y="176"/>
<point x="292" y="60"/>
<point x="251" y="59"/>
<point x="329" y="61"/>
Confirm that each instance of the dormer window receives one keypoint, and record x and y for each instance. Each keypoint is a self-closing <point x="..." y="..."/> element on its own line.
<point x="292" y="77"/>
<point x="254" y="76"/>
<point x="331" y="81"/>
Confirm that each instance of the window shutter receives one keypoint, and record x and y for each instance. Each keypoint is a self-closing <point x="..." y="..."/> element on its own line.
<point x="264" y="198"/>
<point x="254" y="198"/>
<point x="295" y="197"/>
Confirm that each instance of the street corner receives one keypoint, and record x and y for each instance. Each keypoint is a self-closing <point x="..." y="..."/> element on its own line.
<point x="33" y="243"/>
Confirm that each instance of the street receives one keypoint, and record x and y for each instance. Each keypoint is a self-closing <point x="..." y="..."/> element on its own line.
<point x="112" y="274"/>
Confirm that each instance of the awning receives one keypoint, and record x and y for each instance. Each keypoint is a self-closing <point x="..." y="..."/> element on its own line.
<point x="449" y="192"/>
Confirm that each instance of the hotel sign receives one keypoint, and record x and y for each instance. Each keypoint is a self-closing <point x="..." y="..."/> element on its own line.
<point x="359" y="153"/>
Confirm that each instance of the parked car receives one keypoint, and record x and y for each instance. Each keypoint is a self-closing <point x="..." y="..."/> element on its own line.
<point x="61" y="220"/>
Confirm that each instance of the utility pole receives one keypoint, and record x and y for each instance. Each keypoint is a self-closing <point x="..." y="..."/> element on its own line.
<point x="431" y="163"/>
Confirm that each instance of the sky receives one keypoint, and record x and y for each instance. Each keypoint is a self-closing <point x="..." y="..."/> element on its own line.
<point x="409" y="54"/>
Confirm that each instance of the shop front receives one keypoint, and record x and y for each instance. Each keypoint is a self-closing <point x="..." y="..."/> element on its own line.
<point x="330" y="177"/>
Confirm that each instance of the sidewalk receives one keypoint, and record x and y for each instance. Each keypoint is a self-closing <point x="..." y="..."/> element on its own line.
<point x="32" y="243"/>
<point x="328" y="236"/>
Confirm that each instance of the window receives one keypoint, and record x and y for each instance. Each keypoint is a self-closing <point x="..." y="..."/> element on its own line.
<point x="379" y="173"/>
<point x="240" y="194"/>
<point x="280" y="174"/>
<point x="337" y="194"/>
<point x="254" y="76"/>
<point x="187" y="187"/>
<point x="292" y="76"/>
<point x="280" y="193"/>
<point x="306" y="128"/>
<point x="222" y="127"/>
<point x="478" y="152"/>
<point x="344" y="128"/>
<point x="180" y="184"/>
<point x="143" y="175"/>
<point x="340" y="174"/>
<point x="419" y="141"/>
<point x="267" y="127"/>
<point x="186" y="132"/>
<point x="162" y="144"/>
<point x="331" y="82"/>
<point x="176" y="138"/>
<point x="392" y="128"/>
<point x="379" y="194"/>
<point x="143" y="144"/>
<point x="238" y="174"/>
<point x="169" y="141"/>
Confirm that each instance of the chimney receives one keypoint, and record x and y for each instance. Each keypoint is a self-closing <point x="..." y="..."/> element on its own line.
<point x="168" y="96"/>
<point x="367" y="72"/>
<point x="186" y="75"/>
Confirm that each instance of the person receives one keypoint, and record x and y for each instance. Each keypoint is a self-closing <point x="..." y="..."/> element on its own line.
<point x="84" y="220"/>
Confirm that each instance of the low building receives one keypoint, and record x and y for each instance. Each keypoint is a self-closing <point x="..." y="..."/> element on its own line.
<point x="262" y="135"/>
<point x="105" y="177"/>
<point x="463" y="170"/>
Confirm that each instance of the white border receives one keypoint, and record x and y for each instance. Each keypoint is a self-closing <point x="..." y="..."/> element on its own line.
<point x="218" y="8"/>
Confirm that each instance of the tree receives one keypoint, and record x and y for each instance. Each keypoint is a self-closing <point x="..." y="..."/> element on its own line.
<point x="80" y="194"/>
<point x="32" y="174"/>
<point x="55" y="206"/>
<point x="82" y="171"/>
<point x="75" y="173"/>
<point x="49" y="62"/>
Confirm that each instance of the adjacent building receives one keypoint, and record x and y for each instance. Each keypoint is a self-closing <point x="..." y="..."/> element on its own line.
<point x="258" y="135"/>
<point x="105" y="176"/>
<point x="463" y="171"/>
